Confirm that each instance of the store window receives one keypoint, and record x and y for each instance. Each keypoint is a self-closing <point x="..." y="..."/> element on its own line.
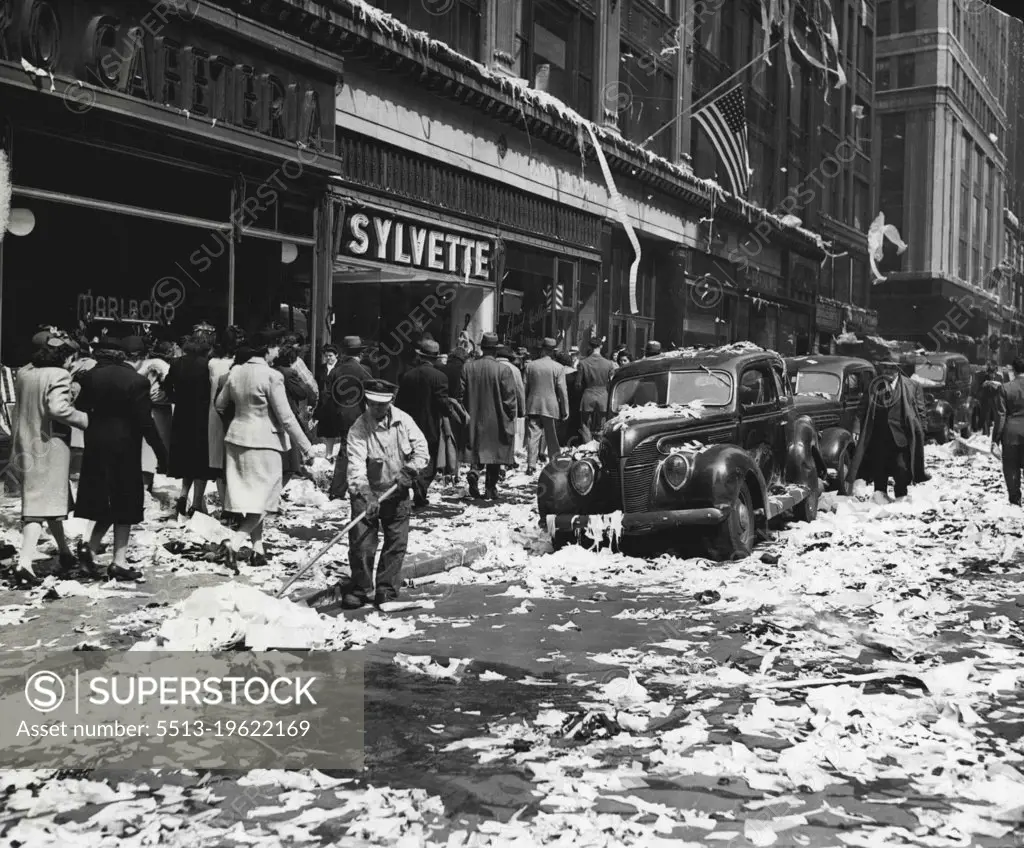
<point x="764" y="324"/>
<point x="893" y="144"/>
<point x="458" y="27"/>
<point x="883" y="74"/>
<point x="906" y="67"/>
<point x="867" y="51"/>
<point x="558" y="52"/>
<point x="651" y="103"/>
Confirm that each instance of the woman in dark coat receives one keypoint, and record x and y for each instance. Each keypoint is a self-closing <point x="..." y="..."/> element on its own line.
<point x="188" y="387"/>
<point x="110" y="491"/>
<point x="300" y="396"/>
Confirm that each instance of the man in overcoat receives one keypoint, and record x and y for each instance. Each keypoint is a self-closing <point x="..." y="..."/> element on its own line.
<point x="989" y="383"/>
<point x="505" y="356"/>
<point x="1009" y="429"/>
<point x="547" y="403"/>
<point x="891" y="440"/>
<point x="490" y="397"/>
<point x="595" y="372"/>
<point x="111" y="489"/>
<point x="423" y="394"/>
<point x="341" y="404"/>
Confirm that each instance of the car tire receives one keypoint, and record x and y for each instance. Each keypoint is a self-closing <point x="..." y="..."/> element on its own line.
<point x="843" y="486"/>
<point x="561" y="539"/>
<point x="734" y="538"/>
<point x="807" y="509"/>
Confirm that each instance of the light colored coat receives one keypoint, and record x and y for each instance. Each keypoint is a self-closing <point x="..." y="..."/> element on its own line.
<point x="262" y="417"/>
<point x="41" y="451"/>
<point x="517" y="375"/>
<point x="546" y="392"/>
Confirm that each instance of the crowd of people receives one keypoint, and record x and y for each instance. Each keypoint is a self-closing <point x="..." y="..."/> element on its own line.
<point x="245" y="413"/>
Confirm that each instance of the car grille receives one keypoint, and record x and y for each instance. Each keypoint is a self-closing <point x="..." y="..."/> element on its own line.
<point x="637" y="475"/>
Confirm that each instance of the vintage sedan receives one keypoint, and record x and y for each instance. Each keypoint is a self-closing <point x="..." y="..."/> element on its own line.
<point x="707" y="444"/>
<point x="946" y="380"/>
<point x="830" y="390"/>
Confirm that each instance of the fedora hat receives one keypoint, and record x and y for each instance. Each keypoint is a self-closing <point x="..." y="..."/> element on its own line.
<point x="428" y="348"/>
<point x="489" y="341"/>
<point x="653" y="348"/>
<point x="549" y="344"/>
<point x="352" y="344"/>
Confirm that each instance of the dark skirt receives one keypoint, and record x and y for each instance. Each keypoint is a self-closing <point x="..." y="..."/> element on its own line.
<point x="110" y="487"/>
<point x="190" y="445"/>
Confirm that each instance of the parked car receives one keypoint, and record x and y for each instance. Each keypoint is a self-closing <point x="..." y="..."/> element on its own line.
<point x="707" y="443"/>
<point x="946" y="380"/>
<point x="830" y="390"/>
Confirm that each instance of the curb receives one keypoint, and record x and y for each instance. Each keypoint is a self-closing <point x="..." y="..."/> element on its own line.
<point x="427" y="563"/>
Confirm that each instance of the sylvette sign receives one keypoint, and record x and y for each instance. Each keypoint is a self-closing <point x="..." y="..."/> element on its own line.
<point x="383" y="237"/>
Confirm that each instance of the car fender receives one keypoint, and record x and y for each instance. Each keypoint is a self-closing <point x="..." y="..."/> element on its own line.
<point x="556" y="496"/>
<point x="834" y="443"/>
<point x="718" y="472"/>
<point x="804" y="461"/>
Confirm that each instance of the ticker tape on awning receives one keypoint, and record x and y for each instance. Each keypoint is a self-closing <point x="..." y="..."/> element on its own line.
<point x="620" y="208"/>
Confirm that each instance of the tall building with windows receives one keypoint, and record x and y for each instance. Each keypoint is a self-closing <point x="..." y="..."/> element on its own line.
<point x="943" y="81"/>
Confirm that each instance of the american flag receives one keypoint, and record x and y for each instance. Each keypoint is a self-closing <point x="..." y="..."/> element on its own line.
<point x="724" y="121"/>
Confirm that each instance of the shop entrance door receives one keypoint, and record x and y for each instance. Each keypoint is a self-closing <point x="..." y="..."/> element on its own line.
<point x="642" y="333"/>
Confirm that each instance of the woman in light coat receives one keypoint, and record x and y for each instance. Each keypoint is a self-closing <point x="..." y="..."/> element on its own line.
<point x="44" y="416"/>
<point x="258" y="436"/>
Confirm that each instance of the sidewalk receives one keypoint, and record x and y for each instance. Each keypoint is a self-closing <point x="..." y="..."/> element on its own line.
<point x="453" y="532"/>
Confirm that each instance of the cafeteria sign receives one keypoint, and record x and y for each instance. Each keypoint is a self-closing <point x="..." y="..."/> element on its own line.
<point x="369" y="234"/>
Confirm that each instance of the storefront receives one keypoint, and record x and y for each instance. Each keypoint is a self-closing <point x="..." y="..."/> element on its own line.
<point x="164" y="171"/>
<point x="420" y="247"/>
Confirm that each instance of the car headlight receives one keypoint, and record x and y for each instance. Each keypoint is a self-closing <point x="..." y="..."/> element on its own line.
<point x="581" y="475"/>
<point x="676" y="470"/>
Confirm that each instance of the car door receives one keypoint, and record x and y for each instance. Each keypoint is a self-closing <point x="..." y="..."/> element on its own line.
<point x="759" y="406"/>
<point x="854" y="386"/>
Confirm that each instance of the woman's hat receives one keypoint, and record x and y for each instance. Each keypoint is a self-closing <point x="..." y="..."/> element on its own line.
<point x="379" y="391"/>
<point x="133" y="344"/>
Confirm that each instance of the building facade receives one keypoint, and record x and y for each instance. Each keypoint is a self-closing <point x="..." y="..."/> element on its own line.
<point x="166" y="166"/>
<point x="943" y="86"/>
<point x="478" y="121"/>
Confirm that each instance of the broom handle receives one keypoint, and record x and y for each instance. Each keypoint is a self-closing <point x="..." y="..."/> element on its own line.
<point x="335" y="541"/>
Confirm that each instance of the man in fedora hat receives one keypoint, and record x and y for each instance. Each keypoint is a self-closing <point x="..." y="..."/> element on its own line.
<point x="341" y="404"/>
<point x="595" y="372"/>
<point x="653" y="349"/>
<point x="547" y="403"/>
<point x="385" y="447"/>
<point x="490" y="397"/>
<point x="423" y="393"/>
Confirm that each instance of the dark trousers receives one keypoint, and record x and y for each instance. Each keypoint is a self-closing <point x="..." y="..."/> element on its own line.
<point x="1013" y="461"/>
<point x="422" y="483"/>
<point x="339" y="483"/>
<point x="988" y="416"/>
<point x="491" y="478"/>
<point x="535" y="425"/>
<point x="591" y="424"/>
<point x="890" y="460"/>
<point x="362" y="546"/>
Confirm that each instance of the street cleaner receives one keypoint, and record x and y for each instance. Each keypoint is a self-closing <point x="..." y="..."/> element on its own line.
<point x="385" y="448"/>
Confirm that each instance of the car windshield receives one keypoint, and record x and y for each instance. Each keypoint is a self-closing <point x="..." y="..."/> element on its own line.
<point x="931" y="371"/>
<point x="712" y="388"/>
<point x="815" y="382"/>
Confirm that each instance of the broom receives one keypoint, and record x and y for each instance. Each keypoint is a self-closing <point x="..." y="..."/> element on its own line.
<point x="337" y="538"/>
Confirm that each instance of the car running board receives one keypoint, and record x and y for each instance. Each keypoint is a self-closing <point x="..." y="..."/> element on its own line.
<point x="791" y="497"/>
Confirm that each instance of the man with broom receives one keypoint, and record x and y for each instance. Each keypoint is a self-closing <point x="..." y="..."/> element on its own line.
<point x="385" y="450"/>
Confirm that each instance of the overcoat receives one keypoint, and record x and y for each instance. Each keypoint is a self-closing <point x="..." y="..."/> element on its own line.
<point x="43" y="414"/>
<point x="912" y="411"/>
<point x="341" y="398"/>
<point x="546" y="391"/>
<point x="423" y="394"/>
<point x="595" y="372"/>
<point x="490" y="397"/>
<point x="188" y="388"/>
<point x="116" y="398"/>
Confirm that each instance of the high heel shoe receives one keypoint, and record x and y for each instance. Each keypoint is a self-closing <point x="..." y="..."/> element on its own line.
<point x="86" y="561"/>
<point x="22" y="578"/>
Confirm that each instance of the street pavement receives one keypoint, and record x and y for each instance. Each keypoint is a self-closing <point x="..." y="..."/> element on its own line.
<point x="855" y="682"/>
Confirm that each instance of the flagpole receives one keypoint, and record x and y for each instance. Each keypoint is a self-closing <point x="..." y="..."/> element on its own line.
<point x="722" y="84"/>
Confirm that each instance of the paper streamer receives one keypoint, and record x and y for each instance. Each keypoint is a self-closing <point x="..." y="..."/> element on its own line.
<point x="620" y="208"/>
<point x="5" y="194"/>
